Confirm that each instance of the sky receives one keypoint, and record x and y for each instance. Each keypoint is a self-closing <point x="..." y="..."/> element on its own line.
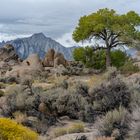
<point x="55" y="18"/>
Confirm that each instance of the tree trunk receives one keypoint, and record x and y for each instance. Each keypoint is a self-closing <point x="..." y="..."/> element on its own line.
<point x="108" y="57"/>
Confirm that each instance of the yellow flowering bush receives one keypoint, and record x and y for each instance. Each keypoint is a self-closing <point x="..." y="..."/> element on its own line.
<point x="11" y="130"/>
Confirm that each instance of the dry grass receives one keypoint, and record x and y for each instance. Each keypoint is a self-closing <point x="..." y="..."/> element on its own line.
<point x="76" y="128"/>
<point x="95" y="80"/>
<point x="69" y="129"/>
<point x="19" y="117"/>
<point x="60" y="132"/>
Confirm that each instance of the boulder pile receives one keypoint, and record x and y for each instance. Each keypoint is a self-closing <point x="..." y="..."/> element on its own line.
<point x="8" y="58"/>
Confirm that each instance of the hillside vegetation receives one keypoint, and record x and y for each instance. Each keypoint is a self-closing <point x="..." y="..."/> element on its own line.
<point x="95" y="96"/>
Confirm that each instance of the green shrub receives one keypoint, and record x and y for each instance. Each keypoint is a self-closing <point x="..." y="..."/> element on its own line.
<point x="97" y="59"/>
<point x="10" y="130"/>
<point x="118" y="58"/>
<point x="90" y="58"/>
<point x="129" y="68"/>
<point x="115" y="123"/>
<point x="79" y="54"/>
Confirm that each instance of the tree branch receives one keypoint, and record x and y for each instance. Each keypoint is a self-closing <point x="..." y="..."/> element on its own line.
<point x="118" y="43"/>
<point x="97" y="47"/>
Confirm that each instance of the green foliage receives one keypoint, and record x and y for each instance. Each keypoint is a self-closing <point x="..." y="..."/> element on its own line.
<point x="90" y="58"/>
<point x="97" y="59"/>
<point x="109" y="20"/>
<point x="118" y="58"/>
<point x="79" y="54"/>
<point x="109" y="27"/>
<point x="10" y="130"/>
<point x="129" y="68"/>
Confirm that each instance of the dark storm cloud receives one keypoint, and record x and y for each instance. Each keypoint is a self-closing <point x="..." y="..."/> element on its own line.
<point x="55" y="18"/>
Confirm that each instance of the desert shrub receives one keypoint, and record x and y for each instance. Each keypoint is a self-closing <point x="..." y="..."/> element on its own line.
<point x="1" y="93"/>
<point x="110" y="73"/>
<point x="10" y="130"/>
<point x="70" y="105"/>
<point x="110" y="95"/>
<point x="105" y="138"/>
<point x="19" y="117"/>
<point x="115" y="123"/>
<point x="134" y="132"/>
<point x="82" y="89"/>
<point x="60" y="132"/>
<point x="76" y="128"/>
<point x="21" y="100"/>
<point x="129" y="68"/>
<point x="12" y="80"/>
<point x="133" y="83"/>
<point x="64" y="84"/>
<point x="2" y="85"/>
<point x="82" y="138"/>
<point x="62" y="102"/>
<point x="87" y="115"/>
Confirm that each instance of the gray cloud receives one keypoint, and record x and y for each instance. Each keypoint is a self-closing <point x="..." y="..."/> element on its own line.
<point x="55" y="18"/>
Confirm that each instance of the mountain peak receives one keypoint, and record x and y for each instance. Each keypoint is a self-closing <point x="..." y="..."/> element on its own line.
<point x="39" y="35"/>
<point x="39" y="44"/>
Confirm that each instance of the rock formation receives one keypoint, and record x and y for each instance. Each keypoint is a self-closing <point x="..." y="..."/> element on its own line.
<point x="8" y="58"/>
<point x="33" y="62"/>
<point x="29" y="67"/>
<point x="54" y="59"/>
<point x="49" y="58"/>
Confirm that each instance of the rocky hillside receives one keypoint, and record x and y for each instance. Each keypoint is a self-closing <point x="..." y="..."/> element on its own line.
<point x="37" y="43"/>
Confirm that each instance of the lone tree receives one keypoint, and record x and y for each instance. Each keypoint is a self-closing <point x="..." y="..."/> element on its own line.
<point x="110" y="28"/>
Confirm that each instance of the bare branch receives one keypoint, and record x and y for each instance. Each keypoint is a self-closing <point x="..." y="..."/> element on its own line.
<point x="118" y="43"/>
<point x="97" y="47"/>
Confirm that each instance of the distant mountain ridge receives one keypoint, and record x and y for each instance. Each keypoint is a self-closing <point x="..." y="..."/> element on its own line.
<point x="37" y="43"/>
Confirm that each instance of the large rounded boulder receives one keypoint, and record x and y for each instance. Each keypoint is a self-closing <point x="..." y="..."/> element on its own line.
<point x="33" y="62"/>
<point x="29" y="67"/>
